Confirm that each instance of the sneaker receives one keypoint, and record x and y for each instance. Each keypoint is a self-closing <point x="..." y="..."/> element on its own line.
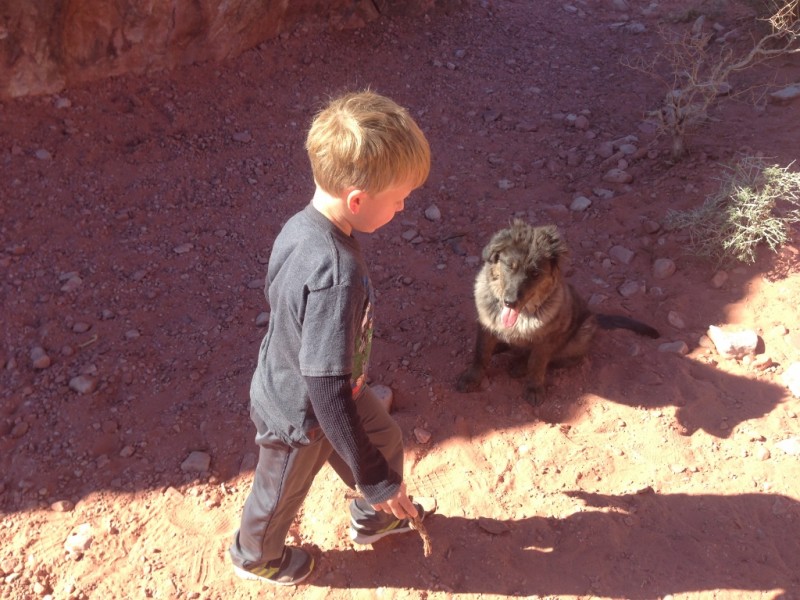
<point x="365" y="535"/>
<point x="290" y="569"/>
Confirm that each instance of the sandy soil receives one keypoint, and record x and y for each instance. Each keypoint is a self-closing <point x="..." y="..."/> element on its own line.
<point x="137" y="216"/>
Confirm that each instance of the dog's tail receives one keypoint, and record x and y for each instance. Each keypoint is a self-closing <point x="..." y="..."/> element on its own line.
<point x="622" y="322"/>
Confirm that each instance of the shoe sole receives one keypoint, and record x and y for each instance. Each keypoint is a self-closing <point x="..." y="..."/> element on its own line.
<point x="362" y="539"/>
<point x="243" y="574"/>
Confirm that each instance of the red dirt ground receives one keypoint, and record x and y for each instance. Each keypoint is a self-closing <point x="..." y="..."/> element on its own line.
<point x="645" y="474"/>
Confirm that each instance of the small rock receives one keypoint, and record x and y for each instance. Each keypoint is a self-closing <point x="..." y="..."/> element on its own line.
<point x="20" y="429"/>
<point x="72" y="284"/>
<point x="39" y="358"/>
<point x="432" y="213"/>
<point x="603" y="193"/>
<point x="617" y="176"/>
<point x="255" y="284"/>
<point x="127" y="451"/>
<point x="83" y="384"/>
<point x="719" y="279"/>
<point x="62" y="506"/>
<point x="676" y="320"/>
<point x="43" y="154"/>
<point x="786" y="94"/>
<point x="622" y="255"/>
<point x="605" y="150"/>
<point x="81" y="327"/>
<point x="629" y="289"/>
<point x="262" y="320"/>
<point x="242" y="136"/>
<point x="422" y="436"/>
<point x="492" y="526"/>
<point x="663" y="268"/>
<point x="674" y="347"/>
<point x="183" y="248"/>
<point x="651" y="226"/>
<point x="762" y="453"/>
<point x="580" y="204"/>
<point x="196" y="462"/>
<point x="505" y="184"/>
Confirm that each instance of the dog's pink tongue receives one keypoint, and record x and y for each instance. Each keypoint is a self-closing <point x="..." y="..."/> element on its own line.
<point x="509" y="317"/>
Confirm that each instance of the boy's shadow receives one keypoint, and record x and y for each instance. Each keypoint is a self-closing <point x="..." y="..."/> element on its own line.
<point x="635" y="546"/>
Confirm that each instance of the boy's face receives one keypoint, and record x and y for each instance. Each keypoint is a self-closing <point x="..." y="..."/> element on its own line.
<point x="372" y="211"/>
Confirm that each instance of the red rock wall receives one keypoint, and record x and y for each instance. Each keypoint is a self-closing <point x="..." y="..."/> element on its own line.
<point x="47" y="45"/>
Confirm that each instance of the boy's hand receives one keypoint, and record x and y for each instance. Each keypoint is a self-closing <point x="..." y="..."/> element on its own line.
<point x="399" y="505"/>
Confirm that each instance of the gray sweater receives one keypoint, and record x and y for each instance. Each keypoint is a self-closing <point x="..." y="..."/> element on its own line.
<point x="313" y="359"/>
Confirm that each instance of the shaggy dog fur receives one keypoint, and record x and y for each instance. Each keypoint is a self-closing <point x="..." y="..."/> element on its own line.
<point x="525" y="304"/>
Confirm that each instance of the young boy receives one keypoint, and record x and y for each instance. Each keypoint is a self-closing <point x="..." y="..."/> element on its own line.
<point x="308" y="397"/>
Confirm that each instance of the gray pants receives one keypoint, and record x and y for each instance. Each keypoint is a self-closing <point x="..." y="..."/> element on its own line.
<point x="283" y="477"/>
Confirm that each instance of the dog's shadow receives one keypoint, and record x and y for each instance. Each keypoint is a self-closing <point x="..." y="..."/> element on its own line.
<point x="705" y="397"/>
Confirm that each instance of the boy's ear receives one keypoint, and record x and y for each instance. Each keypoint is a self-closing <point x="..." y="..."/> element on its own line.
<point x="354" y="197"/>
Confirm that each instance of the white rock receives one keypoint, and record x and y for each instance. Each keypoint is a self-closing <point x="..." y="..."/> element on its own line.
<point x="790" y="446"/>
<point x="791" y="379"/>
<point x="733" y="344"/>
<point x="80" y="539"/>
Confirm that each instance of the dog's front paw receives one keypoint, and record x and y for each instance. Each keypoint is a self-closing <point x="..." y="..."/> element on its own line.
<point x="470" y="380"/>
<point x="534" y="395"/>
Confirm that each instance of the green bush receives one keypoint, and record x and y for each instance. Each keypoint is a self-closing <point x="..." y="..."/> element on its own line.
<point x="755" y="204"/>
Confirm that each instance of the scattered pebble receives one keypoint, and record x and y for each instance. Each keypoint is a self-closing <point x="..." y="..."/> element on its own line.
<point x="663" y="268"/>
<point x="423" y="436"/>
<point x="39" y="358"/>
<point x="678" y="347"/>
<point x="196" y="462"/>
<point x="432" y="213"/>
<point x="83" y="384"/>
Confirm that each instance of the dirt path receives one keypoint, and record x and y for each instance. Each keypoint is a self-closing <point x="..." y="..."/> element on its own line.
<point x="137" y="215"/>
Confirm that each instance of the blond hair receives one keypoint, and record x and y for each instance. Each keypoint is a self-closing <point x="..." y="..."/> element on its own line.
<point x="366" y="141"/>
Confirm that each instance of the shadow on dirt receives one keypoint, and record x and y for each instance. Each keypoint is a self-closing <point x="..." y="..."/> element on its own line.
<point x="748" y="542"/>
<point x="706" y="398"/>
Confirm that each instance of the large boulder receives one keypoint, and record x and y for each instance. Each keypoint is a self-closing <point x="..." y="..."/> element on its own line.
<point x="47" y="46"/>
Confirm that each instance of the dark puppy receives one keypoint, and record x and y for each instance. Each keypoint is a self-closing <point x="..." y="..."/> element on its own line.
<point x="525" y="304"/>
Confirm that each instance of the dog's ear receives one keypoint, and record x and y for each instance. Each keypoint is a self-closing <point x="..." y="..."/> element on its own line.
<point x="556" y="246"/>
<point x="492" y="250"/>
